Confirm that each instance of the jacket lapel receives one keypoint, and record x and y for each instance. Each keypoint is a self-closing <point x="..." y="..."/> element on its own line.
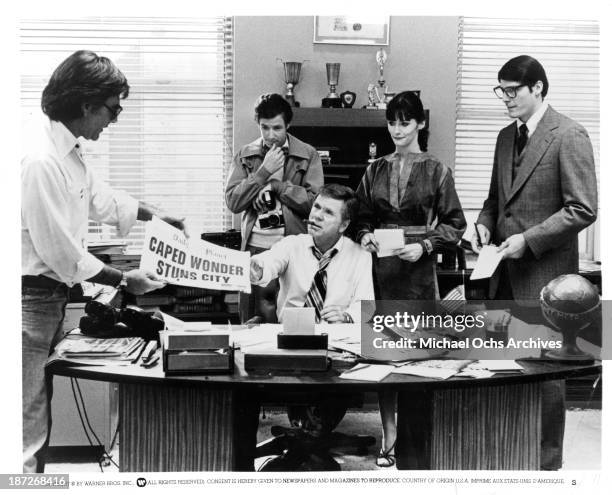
<point x="505" y="156"/>
<point x="535" y="149"/>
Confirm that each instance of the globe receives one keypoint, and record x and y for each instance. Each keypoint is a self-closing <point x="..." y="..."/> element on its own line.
<point x="569" y="303"/>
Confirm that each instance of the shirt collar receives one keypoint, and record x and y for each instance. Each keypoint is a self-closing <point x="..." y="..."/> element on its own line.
<point x="64" y="140"/>
<point x="296" y="148"/>
<point x="337" y="246"/>
<point x="284" y="147"/>
<point x="534" y="120"/>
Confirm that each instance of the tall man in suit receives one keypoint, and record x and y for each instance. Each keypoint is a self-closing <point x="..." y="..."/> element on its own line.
<point x="543" y="192"/>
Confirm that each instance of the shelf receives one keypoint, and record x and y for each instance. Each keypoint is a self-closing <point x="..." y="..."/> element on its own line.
<point x="345" y="165"/>
<point x="338" y="117"/>
<point x="342" y="117"/>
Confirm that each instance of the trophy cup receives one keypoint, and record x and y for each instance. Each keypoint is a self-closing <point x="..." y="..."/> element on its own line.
<point x="332" y="100"/>
<point x="570" y="303"/>
<point x="292" y="76"/>
<point x="384" y="96"/>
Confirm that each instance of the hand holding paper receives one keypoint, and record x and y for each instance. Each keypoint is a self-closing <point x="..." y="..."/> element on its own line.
<point x="389" y="241"/>
<point x="487" y="262"/>
<point x="173" y="258"/>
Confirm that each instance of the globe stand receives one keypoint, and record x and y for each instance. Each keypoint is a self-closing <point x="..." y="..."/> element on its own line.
<point x="569" y="325"/>
<point x="569" y="349"/>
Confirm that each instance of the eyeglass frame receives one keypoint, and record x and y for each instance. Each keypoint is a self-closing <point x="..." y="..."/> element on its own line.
<point x="114" y="111"/>
<point x="505" y="90"/>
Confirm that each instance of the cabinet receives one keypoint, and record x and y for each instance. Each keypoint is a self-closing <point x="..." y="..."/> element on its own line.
<point x="346" y="133"/>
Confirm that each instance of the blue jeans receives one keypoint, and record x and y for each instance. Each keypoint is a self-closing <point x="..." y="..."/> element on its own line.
<point x="42" y="314"/>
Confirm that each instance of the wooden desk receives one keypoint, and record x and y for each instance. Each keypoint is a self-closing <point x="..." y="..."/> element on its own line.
<point x="187" y="423"/>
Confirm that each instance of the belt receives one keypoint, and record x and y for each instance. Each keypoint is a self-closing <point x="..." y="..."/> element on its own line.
<point x="40" y="282"/>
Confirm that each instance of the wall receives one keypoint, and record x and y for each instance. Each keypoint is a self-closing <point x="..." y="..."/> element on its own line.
<point x="422" y="54"/>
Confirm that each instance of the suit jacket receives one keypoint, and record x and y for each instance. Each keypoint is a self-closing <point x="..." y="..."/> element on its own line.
<point x="553" y="197"/>
<point x="302" y="179"/>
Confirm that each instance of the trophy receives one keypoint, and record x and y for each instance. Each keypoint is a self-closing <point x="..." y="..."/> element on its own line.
<point x="348" y="99"/>
<point x="292" y="76"/>
<point x="332" y="100"/>
<point x="379" y="97"/>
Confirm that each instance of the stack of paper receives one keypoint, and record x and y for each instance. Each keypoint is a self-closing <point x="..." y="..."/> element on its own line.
<point x="88" y="350"/>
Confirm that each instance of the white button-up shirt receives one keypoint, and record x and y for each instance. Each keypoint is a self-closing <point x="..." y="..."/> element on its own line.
<point x="534" y="120"/>
<point x="349" y="273"/>
<point x="59" y="194"/>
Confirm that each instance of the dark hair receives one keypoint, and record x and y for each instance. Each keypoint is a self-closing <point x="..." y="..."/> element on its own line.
<point x="345" y="194"/>
<point x="526" y="70"/>
<point x="83" y="77"/>
<point x="270" y="105"/>
<point x="407" y="106"/>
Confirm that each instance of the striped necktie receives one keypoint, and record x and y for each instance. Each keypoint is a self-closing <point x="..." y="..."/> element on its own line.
<point x="318" y="290"/>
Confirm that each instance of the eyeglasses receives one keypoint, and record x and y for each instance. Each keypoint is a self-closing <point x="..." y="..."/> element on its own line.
<point x="114" y="111"/>
<point x="510" y="91"/>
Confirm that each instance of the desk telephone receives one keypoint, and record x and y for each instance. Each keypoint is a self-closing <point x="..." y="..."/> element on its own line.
<point x="105" y="321"/>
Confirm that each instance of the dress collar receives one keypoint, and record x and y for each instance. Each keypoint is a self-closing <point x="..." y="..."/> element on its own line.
<point x="64" y="140"/>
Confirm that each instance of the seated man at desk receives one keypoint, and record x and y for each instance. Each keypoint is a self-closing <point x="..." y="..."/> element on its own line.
<point x="321" y="269"/>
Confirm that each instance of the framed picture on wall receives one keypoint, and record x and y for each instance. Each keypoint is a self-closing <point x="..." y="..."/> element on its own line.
<point x="352" y="30"/>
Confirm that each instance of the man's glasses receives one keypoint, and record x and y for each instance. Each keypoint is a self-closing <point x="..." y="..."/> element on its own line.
<point x="510" y="91"/>
<point x="114" y="111"/>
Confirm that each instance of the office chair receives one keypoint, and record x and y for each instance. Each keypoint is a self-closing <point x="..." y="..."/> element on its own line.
<point x="305" y="448"/>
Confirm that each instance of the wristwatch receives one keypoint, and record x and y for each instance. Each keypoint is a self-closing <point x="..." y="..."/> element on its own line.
<point x="426" y="245"/>
<point x="123" y="282"/>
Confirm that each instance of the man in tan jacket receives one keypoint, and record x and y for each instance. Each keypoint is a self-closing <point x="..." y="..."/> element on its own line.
<point x="273" y="183"/>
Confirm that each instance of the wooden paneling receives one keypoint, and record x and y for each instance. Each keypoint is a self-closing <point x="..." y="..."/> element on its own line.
<point x="487" y="428"/>
<point x="175" y="429"/>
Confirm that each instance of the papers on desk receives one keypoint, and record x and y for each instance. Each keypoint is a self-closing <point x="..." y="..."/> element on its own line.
<point x="487" y="262"/>
<point x="368" y="372"/>
<point x="389" y="240"/>
<point x="174" y="324"/>
<point x="486" y="368"/>
<point x="80" y="349"/>
<point x="433" y="368"/>
<point x="344" y="336"/>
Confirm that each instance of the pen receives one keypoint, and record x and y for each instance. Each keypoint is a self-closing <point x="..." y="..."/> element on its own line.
<point x="152" y="362"/>
<point x="148" y="351"/>
<point x="478" y="235"/>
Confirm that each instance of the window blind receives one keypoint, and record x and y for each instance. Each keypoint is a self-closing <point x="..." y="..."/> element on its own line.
<point x="569" y="52"/>
<point x="172" y="143"/>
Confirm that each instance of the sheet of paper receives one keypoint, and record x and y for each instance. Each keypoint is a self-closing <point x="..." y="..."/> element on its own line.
<point x="487" y="262"/>
<point x="257" y="335"/>
<point x="368" y="372"/>
<point x="192" y="262"/>
<point x="436" y="368"/>
<point x="389" y="240"/>
<point x="299" y="321"/>
<point x="498" y="365"/>
<point x="475" y="373"/>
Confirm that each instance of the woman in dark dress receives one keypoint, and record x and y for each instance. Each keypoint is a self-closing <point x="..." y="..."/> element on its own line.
<point x="408" y="189"/>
